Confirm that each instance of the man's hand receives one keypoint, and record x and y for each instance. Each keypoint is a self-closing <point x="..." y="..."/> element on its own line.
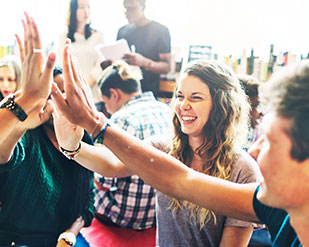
<point x="136" y="59"/>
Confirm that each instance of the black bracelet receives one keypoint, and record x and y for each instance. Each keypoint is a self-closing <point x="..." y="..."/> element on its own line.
<point x="10" y="104"/>
<point x="70" y="154"/>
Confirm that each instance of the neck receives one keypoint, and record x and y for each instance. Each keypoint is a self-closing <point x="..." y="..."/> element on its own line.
<point x="81" y="28"/>
<point x="142" y="21"/>
<point x="300" y="221"/>
<point x="195" y="142"/>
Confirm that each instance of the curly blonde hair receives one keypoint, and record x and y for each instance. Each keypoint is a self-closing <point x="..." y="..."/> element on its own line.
<point x="224" y="132"/>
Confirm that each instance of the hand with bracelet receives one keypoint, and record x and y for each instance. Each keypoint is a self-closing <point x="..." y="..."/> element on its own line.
<point x="77" y="104"/>
<point x="68" y="135"/>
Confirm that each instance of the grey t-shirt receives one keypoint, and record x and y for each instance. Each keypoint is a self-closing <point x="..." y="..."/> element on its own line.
<point x="177" y="230"/>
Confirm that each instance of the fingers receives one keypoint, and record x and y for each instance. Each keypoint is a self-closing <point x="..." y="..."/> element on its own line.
<point x="59" y="101"/>
<point x="69" y="84"/>
<point x="48" y="71"/>
<point x="36" y="35"/>
<point x="21" y="48"/>
<point x="29" y="33"/>
<point x="25" y="36"/>
<point x="46" y="112"/>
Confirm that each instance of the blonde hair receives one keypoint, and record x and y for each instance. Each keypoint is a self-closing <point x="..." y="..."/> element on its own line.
<point x="224" y="132"/>
<point x="14" y="64"/>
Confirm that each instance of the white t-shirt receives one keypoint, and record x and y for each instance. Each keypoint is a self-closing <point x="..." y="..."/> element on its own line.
<point x="87" y="56"/>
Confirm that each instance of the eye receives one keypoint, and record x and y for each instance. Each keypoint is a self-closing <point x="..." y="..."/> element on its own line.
<point x="196" y="97"/>
<point x="179" y="96"/>
<point x="11" y="80"/>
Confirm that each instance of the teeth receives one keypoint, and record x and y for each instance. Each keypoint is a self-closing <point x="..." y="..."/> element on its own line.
<point x="188" y="118"/>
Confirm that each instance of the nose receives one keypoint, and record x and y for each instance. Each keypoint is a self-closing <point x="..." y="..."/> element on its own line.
<point x="255" y="149"/>
<point x="185" y="105"/>
<point x="6" y="83"/>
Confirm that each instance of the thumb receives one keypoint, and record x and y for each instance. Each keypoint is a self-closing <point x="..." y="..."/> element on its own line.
<point x="46" y="112"/>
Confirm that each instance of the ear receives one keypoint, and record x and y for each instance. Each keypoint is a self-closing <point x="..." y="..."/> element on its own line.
<point x="115" y="94"/>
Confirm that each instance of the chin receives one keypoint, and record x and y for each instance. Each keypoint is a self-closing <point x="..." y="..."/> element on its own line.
<point x="268" y="198"/>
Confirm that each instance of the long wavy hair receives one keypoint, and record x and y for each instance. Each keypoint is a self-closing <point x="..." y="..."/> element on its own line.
<point x="224" y="132"/>
<point x="72" y="22"/>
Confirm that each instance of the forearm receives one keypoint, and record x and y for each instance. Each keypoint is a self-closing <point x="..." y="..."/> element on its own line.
<point x="8" y="144"/>
<point x="173" y="178"/>
<point x="101" y="160"/>
<point x="236" y="236"/>
<point x="160" y="67"/>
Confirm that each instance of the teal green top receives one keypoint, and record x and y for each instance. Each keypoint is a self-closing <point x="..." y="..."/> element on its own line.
<point x="38" y="188"/>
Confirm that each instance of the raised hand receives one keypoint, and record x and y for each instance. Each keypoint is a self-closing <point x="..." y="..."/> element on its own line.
<point x="77" y="104"/>
<point x="68" y="134"/>
<point x="36" y="80"/>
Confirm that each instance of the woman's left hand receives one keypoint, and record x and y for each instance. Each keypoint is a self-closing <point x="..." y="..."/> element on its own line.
<point x="77" y="105"/>
<point x="68" y="134"/>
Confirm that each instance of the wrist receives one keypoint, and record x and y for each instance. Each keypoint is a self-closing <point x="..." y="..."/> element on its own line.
<point x="148" y="64"/>
<point x="13" y="105"/>
<point x="96" y="124"/>
<point x="68" y="237"/>
<point x="70" y="154"/>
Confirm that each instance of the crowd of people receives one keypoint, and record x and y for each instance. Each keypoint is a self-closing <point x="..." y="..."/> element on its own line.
<point x="83" y="139"/>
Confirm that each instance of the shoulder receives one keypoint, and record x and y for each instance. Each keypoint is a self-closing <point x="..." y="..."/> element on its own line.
<point x="125" y="29"/>
<point x="244" y="169"/>
<point x="158" y="26"/>
<point x="97" y="33"/>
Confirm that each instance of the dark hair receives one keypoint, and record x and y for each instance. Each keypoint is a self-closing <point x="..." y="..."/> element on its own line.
<point x="72" y="22"/>
<point x="57" y="71"/>
<point x="287" y="93"/>
<point x="250" y="84"/>
<point x="121" y="76"/>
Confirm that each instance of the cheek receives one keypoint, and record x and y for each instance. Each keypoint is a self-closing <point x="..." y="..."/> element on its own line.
<point x="177" y="109"/>
<point x="13" y="86"/>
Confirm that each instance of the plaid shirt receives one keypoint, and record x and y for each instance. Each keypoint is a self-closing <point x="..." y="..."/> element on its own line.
<point x="128" y="201"/>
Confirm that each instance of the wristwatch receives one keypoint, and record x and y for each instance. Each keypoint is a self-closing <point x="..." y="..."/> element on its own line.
<point x="9" y="103"/>
<point x="68" y="237"/>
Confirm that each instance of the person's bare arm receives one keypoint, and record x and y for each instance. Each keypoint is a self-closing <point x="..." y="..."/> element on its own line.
<point x="101" y="160"/>
<point x="173" y="178"/>
<point x="155" y="167"/>
<point x="35" y="88"/>
<point x="235" y="236"/>
<point x="161" y="67"/>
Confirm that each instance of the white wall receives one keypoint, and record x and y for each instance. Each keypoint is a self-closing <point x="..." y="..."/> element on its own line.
<point x="229" y="26"/>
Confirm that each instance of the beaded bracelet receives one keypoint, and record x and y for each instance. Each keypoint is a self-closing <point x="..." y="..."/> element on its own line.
<point x="100" y="136"/>
<point x="70" y="154"/>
